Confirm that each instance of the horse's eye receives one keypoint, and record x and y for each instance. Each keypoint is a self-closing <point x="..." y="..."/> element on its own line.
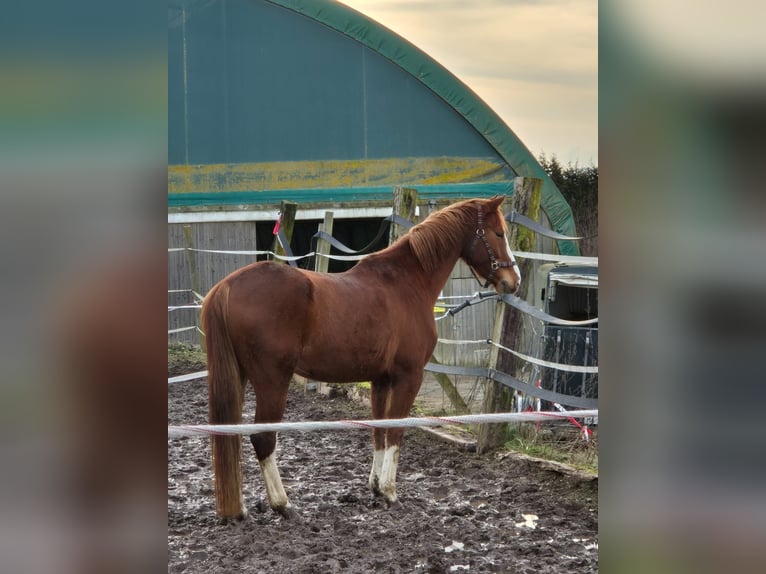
<point x="499" y="233"/>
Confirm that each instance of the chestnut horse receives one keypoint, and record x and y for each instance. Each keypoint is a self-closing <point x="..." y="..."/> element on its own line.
<point x="375" y="323"/>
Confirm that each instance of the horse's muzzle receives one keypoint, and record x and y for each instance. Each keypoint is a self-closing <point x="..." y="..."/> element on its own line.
<point x="507" y="287"/>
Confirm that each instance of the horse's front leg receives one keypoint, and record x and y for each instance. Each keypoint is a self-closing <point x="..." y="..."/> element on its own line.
<point x="401" y="397"/>
<point x="378" y="400"/>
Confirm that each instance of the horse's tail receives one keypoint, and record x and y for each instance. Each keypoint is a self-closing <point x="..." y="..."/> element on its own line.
<point x="224" y="385"/>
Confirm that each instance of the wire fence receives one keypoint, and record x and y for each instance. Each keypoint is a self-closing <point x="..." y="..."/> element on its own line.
<point x="469" y="381"/>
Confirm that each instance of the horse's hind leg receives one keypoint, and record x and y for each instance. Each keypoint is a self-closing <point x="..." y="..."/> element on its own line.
<point x="270" y="402"/>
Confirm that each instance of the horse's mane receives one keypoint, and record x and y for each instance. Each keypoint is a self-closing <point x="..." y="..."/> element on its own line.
<point x="441" y="232"/>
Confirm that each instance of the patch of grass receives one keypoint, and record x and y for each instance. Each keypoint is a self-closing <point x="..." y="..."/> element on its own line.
<point x="184" y="358"/>
<point x="558" y="443"/>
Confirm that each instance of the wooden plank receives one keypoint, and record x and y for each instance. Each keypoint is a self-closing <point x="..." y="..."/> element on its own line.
<point x="405" y="202"/>
<point x="191" y="257"/>
<point x="287" y="224"/>
<point x="323" y="247"/>
<point x="449" y="388"/>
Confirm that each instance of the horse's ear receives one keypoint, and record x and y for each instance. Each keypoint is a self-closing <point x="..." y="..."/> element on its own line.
<point x="496" y="202"/>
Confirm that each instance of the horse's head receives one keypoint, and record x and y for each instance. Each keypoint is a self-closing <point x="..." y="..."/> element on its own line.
<point x="487" y="253"/>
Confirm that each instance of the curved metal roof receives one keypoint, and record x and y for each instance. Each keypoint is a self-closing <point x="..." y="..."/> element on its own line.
<point x="450" y="89"/>
<point x="265" y="95"/>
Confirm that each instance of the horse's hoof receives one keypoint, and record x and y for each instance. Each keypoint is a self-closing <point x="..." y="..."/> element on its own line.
<point x="394" y="504"/>
<point x="390" y="498"/>
<point x="238" y="519"/>
<point x="261" y="506"/>
<point x="288" y="513"/>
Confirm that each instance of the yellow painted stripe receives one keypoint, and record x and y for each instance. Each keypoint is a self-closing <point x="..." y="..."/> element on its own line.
<point x="331" y="174"/>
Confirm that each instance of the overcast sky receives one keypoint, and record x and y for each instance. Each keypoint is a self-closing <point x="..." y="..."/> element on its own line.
<point x="535" y="62"/>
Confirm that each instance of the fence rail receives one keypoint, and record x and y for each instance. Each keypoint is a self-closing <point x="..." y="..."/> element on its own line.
<point x="179" y="431"/>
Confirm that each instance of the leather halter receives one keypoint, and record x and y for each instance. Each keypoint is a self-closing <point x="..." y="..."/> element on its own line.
<point x="494" y="264"/>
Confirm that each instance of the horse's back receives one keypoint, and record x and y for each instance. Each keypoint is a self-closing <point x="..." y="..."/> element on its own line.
<point x="267" y="281"/>
<point x="269" y="301"/>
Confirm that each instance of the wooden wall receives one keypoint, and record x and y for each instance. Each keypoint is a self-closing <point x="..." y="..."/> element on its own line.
<point x="200" y="271"/>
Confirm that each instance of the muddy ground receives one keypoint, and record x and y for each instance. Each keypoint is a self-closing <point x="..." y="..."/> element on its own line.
<point x="460" y="511"/>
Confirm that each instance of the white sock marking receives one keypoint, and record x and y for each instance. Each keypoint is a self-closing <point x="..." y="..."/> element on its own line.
<point x="388" y="473"/>
<point x="377" y="465"/>
<point x="271" y="479"/>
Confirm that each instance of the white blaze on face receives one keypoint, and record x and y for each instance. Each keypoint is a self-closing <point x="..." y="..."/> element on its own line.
<point x="512" y="258"/>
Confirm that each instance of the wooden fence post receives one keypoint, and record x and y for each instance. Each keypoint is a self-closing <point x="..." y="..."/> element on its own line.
<point x="191" y="259"/>
<point x="508" y="320"/>
<point x="321" y="263"/>
<point x="405" y="202"/>
<point x="450" y="390"/>
<point x="287" y="211"/>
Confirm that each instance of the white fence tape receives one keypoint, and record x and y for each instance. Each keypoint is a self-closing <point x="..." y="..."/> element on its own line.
<point x="177" y="307"/>
<point x="542" y="363"/>
<point x="181" y="329"/>
<point x="572" y="259"/>
<point x="489" y="418"/>
<point x="188" y="377"/>
<point x="258" y="252"/>
<point x="533" y="360"/>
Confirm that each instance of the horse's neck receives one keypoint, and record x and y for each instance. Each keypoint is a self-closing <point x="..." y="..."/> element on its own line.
<point x="438" y="278"/>
<point x="432" y="282"/>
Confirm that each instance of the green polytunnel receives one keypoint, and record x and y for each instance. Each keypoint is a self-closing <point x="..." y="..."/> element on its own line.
<point x="312" y="101"/>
